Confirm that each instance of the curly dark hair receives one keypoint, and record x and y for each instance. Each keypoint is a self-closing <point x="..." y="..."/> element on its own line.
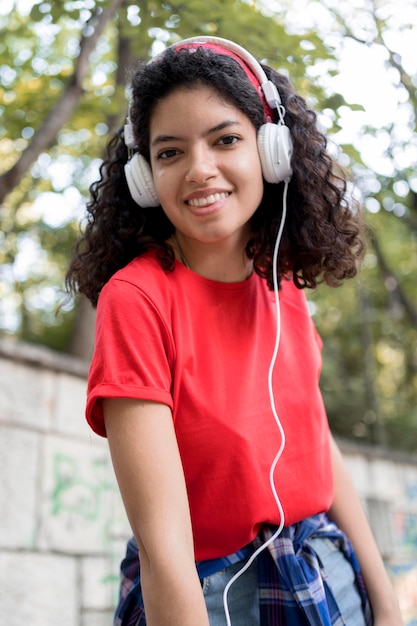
<point x="322" y="239"/>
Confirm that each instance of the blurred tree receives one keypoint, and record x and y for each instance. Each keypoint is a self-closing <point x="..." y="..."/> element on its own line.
<point x="62" y="75"/>
<point x="370" y="328"/>
<point x="63" y="67"/>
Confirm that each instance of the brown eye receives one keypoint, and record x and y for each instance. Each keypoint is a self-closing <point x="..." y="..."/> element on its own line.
<point x="228" y="140"/>
<point x="168" y="154"/>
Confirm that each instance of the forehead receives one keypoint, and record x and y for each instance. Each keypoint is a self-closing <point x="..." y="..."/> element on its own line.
<point x="200" y="103"/>
<point x="190" y="92"/>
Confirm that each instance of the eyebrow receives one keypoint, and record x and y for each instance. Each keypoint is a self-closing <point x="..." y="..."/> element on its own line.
<point x="168" y="138"/>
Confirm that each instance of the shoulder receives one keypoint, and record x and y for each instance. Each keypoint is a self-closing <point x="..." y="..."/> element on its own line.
<point x="142" y="278"/>
<point x="141" y="271"/>
<point x="296" y="315"/>
<point x="138" y="297"/>
<point x="294" y="297"/>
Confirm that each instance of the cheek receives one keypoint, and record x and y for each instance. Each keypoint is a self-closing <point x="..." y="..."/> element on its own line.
<point x="252" y="174"/>
<point x="162" y="183"/>
<point x="166" y="187"/>
<point x="251" y="162"/>
<point x="258" y="192"/>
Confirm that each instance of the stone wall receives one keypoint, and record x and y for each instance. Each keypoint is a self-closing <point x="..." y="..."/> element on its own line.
<point x="387" y="484"/>
<point x="63" y="527"/>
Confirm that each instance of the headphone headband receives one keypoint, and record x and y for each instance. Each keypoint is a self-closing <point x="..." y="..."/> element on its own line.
<point x="267" y="91"/>
<point x="230" y="48"/>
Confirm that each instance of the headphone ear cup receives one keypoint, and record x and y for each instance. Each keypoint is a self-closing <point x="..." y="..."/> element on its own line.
<point x="139" y="180"/>
<point x="275" y="150"/>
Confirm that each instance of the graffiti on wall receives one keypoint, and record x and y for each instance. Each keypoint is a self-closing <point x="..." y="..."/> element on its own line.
<point x="403" y="568"/>
<point x="77" y="493"/>
<point x="83" y="514"/>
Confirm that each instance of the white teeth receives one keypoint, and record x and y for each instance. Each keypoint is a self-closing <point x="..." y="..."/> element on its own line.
<point x="214" y="197"/>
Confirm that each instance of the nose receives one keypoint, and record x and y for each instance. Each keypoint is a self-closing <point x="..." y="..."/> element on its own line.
<point x="201" y="165"/>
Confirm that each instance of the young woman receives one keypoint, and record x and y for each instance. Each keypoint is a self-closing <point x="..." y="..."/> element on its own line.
<point x="217" y="205"/>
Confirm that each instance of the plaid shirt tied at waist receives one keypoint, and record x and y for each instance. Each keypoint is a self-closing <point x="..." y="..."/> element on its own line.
<point x="293" y="588"/>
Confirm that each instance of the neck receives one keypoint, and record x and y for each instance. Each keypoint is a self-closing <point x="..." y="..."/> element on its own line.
<point x="213" y="261"/>
<point x="179" y="253"/>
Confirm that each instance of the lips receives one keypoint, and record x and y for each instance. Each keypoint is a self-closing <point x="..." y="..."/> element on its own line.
<point x="210" y="199"/>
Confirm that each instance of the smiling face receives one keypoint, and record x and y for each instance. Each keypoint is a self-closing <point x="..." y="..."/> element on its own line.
<point x="205" y="165"/>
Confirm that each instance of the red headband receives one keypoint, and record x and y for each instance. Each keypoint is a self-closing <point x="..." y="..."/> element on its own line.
<point x="269" y="115"/>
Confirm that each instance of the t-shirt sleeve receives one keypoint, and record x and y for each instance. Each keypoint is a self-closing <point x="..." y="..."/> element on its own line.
<point x="133" y="351"/>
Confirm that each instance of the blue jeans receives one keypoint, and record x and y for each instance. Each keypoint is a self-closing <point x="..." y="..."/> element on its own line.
<point x="243" y="601"/>
<point x="341" y="580"/>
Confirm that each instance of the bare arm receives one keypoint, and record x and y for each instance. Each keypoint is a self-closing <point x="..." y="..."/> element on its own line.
<point x="348" y="514"/>
<point x="148" y="469"/>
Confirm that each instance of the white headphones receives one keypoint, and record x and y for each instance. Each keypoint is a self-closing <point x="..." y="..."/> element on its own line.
<point x="274" y="140"/>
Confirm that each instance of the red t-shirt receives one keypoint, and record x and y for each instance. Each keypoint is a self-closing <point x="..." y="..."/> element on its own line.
<point x="204" y="348"/>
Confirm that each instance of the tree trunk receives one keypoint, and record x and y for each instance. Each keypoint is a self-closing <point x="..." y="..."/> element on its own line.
<point x="398" y="296"/>
<point x="82" y="339"/>
<point x="65" y="106"/>
<point x="377" y="429"/>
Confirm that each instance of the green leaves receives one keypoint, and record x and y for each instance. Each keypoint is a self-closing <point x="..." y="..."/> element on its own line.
<point x="368" y="326"/>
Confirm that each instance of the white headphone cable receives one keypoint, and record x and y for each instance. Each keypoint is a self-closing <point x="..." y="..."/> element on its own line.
<point x="274" y="411"/>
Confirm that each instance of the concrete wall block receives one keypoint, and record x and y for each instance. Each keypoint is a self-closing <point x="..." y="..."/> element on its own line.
<point x="359" y="472"/>
<point x="405" y="585"/>
<point x="382" y="480"/>
<point x="81" y="509"/>
<point x="100" y="582"/>
<point x="38" y="589"/>
<point x="70" y="406"/>
<point x="97" y="618"/>
<point x="19" y="458"/>
<point x="27" y="394"/>
<point x="406" y="476"/>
